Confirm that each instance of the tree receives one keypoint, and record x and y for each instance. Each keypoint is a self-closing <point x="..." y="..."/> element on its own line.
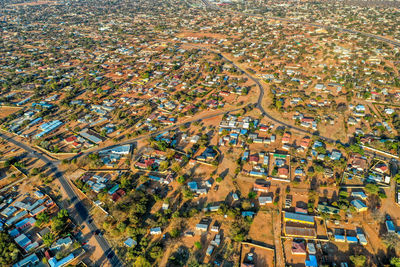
<point x="198" y="245"/>
<point x="181" y="179"/>
<point x="49" y="239"/>
<point x="62" y="214"/>
<point x="164" y="165"/>
<point x="42" y="218"/>
<point x="372" y="189"/>
<point x="395" y="262"/>
<point x="252" y="195"/>
<point x="390" y="240"/>
<point x="8" y="250"/>
<point x="141" y="261"/>
<point x="359" y="260"/>
<point x="175" y="233"/>
<point x="57" y="224"/>
<point x="156" y="252"/>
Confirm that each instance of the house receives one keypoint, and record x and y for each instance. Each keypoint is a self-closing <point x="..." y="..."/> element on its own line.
<point x="130" y="242"/>
<point x="217" y="241"/>
<point x="352" y="239"/>
<point x="43" y="232"/>
<point x="16" y="217"/>
<point x="340" y="238"/>
<point x="63" y="262"/>
<point x="299" y="218"/>
<point x="254" y="159"/>
<point x="320" y="87"/>
<point x="248" y="214"/>
<point x="298" y="248"/>
<point x="324" y="208"/>
<point x="305" y="142"/>
<point x="286" y="138"/>
<point x="70" y="140"/>
<point x="261" y="187"/>
<point x="358" y="162"/>
<point x="390" y="226"/>
<point x="299" y="171"/>
<point x="359" y="205"/>
<point x="194" y="139"/>
<point x="210" y="250"/>
<point x="311" y="248"/>
<point x="359" y="194"/>
<point x="62" y="242"/>
<point x="283" y="172"/>
<point x="215" y="228"/>
<point x="165" y="206"/>
<point x="23" y="241"/>
<point x="360" y="108"/>
<point x="117" y="195"/>
<point x="381" y="167"/>
<point x="155" y="231"/>
<point x="27" y="222"/>
<point x="264" y="200"/>
<point x="299" y="231"/>
<point x="335" y="155"/>
<point x="31" y="260"/>
<point x="202" y="227"/>
<point x="312" y="261"/>
<point x="361" y="236"/>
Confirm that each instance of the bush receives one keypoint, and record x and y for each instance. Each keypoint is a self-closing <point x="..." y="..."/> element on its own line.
<point x="198" y="245"/>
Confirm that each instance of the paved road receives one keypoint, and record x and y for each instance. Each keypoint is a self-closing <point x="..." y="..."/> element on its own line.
<point x="82" y="213"/>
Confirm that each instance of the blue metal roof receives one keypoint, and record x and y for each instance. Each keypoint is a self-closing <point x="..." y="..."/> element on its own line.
<point x="299" y="217"/>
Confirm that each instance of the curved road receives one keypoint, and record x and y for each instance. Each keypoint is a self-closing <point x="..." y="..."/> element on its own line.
<point x="82" y="214"/>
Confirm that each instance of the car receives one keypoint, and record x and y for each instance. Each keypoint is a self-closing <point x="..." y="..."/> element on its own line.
<point x="216" y="187"/>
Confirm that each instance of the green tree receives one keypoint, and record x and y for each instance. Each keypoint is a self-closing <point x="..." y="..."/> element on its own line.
<point x="62" y="214"/>
<point x="395" y="262"/>
<point x="8" y="250"/>
<point x="156" y="252"/>
<point x="42" y="218"/>
<point x="359" y="260"/>
<point x="198" y="245"/>
<point x="49" y="239"/>
<point x="141" y="261"/>
<point x="181" y="179"/>
<point x="372" y="189"/>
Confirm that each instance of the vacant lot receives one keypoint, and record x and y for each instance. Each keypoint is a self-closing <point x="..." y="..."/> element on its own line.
<point x="5" y="111"/>
<point x="263" y="257"/>
<point x="261" y="229"/>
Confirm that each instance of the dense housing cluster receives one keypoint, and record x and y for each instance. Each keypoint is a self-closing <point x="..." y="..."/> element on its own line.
<point x="199" y="133"/>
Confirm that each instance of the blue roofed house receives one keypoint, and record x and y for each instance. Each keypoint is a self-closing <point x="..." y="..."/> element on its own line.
<point x="54" y="263"/>
<point x="193" y="186"/>
<point x="352" y="239"/>
<point x="31" y="260"/>
<point x="312" y="261"/>
<point x="390" y="226"/>
<point x="359" y="205"/>
<point x="335" y="155"/>
<point x="130" y="242"/>
<point x="298" y="218"/>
